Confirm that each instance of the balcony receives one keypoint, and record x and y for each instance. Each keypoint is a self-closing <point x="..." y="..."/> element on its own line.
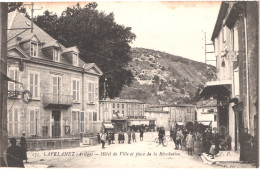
<point x="51" y="100"/>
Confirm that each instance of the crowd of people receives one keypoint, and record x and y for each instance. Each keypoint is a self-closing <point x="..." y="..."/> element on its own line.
<point x="212" y="141"/>
<point x="109" y="137"/>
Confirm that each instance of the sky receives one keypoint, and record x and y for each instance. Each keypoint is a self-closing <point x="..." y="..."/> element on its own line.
<point x="175" y="27"/>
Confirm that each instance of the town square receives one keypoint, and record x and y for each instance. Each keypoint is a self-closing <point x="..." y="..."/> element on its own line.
<point x="159" y="84"/>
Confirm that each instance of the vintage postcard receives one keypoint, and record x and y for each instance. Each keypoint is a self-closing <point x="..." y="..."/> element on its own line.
<point x="138" y="84"/>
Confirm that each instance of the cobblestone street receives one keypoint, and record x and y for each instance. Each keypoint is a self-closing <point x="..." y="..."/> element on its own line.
<point x="127" y="155"/>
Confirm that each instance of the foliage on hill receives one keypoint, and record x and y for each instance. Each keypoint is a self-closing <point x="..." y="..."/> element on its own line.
<point x="164" y="78"/>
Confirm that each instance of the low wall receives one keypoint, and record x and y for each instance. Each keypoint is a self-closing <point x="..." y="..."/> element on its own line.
<point x="47" y="144"/>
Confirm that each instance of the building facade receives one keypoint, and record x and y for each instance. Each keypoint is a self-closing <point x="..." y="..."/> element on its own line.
<point x="177" y="114"/>
<point x="123" y="113"/>
<point x="235" y="39"/>
<point x="64" y="89"/>
<point x="158" y="118"/>
<point x="207" y="113"/>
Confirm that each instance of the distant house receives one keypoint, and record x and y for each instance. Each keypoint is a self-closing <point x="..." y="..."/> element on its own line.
<point x="64" y="89"/>
<point x="123" y="114"/>
<point x="176" y="114"/>
<point x="207" y="113"/>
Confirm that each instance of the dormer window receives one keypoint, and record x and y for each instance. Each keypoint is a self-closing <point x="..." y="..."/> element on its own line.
<point x="75" y="60"/>
<point x="56" y="55"/>
<point x="34" y="49"/>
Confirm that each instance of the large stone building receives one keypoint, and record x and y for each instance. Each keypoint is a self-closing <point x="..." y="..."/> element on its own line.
<point x="64" y="89"/>
<point x="235" y="39"/>
<point x="123" y="114"/>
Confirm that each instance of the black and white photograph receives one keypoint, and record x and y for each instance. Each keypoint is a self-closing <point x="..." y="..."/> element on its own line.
<point x="129" y="84"/>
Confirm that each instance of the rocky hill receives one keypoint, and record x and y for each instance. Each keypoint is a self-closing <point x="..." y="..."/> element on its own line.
<point x="162" y="78"/>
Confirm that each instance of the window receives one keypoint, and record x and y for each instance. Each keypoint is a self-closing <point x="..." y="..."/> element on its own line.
<point x="90" y="116"/>
<point x="75" y="90"/>
<point x="13" y="74"/>
<point x="235" y="39"/>
<point x="34" y="49"/>
<point x="34" y="84"/>
<point x="56" y="55"/>
<point x="75" y="121"/>
<point x="123" y="112"/>
<point x="91" y="92"/>
<point x="82" y="121"/>
<point x="75" y="59"/>
<point x="215" y="118"/>
<point x="33" y="120"/>
<point x="118" y="106"/>
<point x="94" y="116"/>
<point x="180" y="119"/>
<point x="236" y="82"/>
<point x="56" y="87"/>
<point x="114" y="105"/>
<point x="13" y="122"/>
<point x="123" y="106"/>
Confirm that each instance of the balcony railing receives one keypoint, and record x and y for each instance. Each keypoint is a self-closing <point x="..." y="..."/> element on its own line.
<point x="50" y="99"/>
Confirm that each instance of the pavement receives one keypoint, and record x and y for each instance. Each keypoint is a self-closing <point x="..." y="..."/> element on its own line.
<point x="140" y="154"/>
<point x="227" y="159"/>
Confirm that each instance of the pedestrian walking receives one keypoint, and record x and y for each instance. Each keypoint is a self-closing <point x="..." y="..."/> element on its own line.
<point x="14" y="155"/>
<point x="98" y="137"/>
<point x="129" y="136"/>
<point x="245" y="145"/>
<point x="133" y="136"/>
<point x="112" y="137"/>
<point x="214" y="148"/>
<point x="141" y="135"/>
<point x="179" y="137"/>
<point x="189" y="143"/>
<point x="109" y="137"/>
<point x="174" y="138"/>
<point x="23" y="144"/>
<point x="120" y="137"/>
<point x="208" y="138"/>
<point x="123" y="137"/>
<point x="103" y="137"/>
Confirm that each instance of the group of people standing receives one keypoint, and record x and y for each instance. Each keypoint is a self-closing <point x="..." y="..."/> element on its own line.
<point x="17" y="154"/>
<point x="110" y="137"/>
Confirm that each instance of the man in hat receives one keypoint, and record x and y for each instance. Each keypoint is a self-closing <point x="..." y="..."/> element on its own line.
<point x="23" y="144"/>
<point x="14" y="155"/>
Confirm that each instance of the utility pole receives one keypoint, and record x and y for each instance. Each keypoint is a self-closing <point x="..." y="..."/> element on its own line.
<point x="105" y="93"/>
<point x="206" y="52"/>
<point x="32" y="11"/>
<point x="3" y="83"/>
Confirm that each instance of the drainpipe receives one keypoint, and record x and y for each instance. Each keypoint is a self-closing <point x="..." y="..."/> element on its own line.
<point x="247" y="68"/>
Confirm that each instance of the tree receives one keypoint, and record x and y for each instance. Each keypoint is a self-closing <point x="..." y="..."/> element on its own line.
<point x="99" y="38"/>
<point x="16" y="5"/>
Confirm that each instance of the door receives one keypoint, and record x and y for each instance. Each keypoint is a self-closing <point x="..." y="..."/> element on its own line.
<point x="56" y="128"/>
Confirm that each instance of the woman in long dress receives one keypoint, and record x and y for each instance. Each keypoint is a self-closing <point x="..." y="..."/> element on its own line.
<point x="189" y="143"/>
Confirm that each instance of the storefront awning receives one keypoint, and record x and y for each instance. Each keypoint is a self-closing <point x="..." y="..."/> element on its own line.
<point x="108" y="125"/>
<point x="180" y="123"/>
<point x="205" y="123"/>
<point x="218" y="88"/>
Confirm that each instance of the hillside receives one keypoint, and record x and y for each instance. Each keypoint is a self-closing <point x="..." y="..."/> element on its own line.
<point x="162" y="78"/>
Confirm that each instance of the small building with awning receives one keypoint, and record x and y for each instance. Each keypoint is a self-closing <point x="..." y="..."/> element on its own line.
<point x="206" y="111"/>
